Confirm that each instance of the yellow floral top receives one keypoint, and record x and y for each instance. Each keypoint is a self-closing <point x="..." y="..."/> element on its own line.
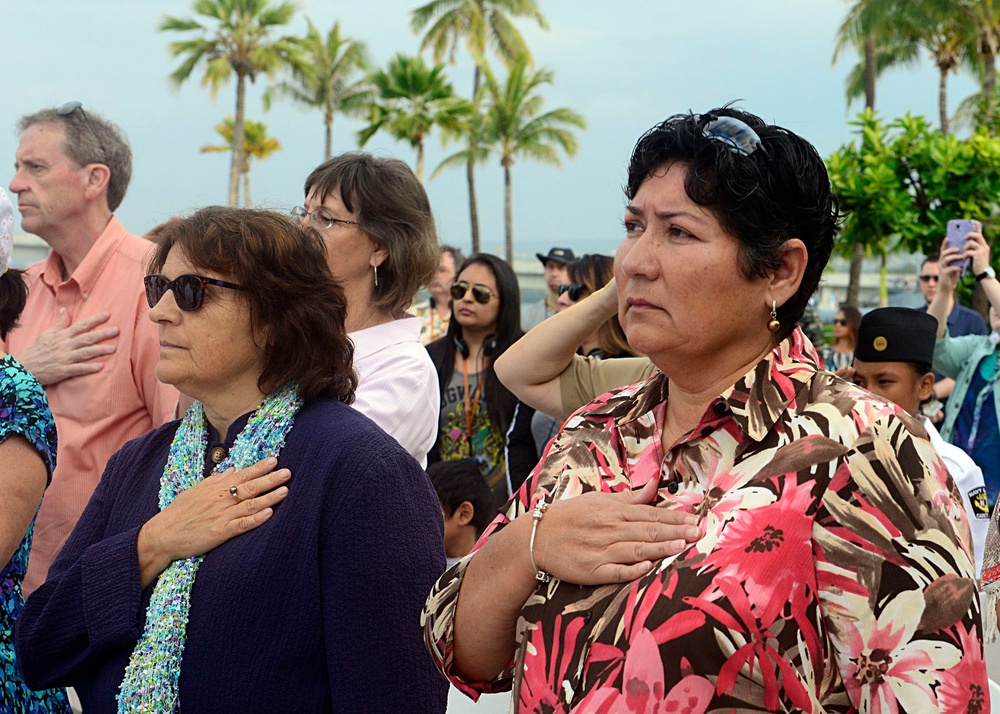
<point x="834" y="573"/>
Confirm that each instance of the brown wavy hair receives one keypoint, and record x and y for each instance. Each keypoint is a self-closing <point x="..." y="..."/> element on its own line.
<point x="296" y="307"/>
<point x="594" y="271"/>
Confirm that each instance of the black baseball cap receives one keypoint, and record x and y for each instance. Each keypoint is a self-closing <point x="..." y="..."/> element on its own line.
<point x="559" y="255"/>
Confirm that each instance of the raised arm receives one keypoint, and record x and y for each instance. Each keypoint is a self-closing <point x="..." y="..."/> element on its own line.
<point x="979" y="250"/>
<point x="530" y="368"/>
<point x="949" y="273"/>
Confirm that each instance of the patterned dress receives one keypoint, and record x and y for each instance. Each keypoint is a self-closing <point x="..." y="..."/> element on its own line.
<point x="834" y="573"/>
<point x="24" y="411"/>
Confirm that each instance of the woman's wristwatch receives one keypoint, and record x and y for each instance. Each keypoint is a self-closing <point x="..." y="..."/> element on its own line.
<point x="988" y="273"/>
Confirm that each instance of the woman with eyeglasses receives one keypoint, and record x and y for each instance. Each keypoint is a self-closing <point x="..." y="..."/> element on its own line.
<point x="381" y="245"/>
<point x="840" y="354"/>
<point x="271" y="550"/>
<point x="27" y="455"/>
<point x="741" y="531"/>
<point x="477" y="412"/>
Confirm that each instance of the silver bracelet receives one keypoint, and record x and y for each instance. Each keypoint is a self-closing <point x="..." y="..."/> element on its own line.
<point x="536" y="516"/>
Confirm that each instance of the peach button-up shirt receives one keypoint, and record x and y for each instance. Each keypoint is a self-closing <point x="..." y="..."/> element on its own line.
<point x="97" y="413"/>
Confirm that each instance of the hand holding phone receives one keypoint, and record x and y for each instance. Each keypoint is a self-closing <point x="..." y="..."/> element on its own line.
<point x="957" y="236"/>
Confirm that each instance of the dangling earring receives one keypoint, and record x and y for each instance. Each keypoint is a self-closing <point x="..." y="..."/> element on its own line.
<point x="773" y="325"/>
<point x="375" y="268"/>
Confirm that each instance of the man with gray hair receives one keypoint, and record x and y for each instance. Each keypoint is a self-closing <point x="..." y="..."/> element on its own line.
<point x="84" y="332"/>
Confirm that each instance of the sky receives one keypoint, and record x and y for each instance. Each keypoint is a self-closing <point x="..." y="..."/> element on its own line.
<point x="623" y="65"/>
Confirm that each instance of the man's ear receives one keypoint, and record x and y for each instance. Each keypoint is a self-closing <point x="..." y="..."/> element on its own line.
<point x="786" y="278"/>
<point x="96" y="180"/>
<point x="465" y="513"/>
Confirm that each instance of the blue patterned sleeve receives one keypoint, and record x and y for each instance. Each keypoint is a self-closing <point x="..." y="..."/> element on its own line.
<point x="24" y="411"/>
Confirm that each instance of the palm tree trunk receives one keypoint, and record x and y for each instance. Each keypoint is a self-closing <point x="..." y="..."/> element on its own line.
<point x="420" y="162"/>
<point x="238" y="133"/>
<point x="328" y="144"/>
<point x="470" y="176"/>
<point x="943" y="100"/>
<point x="870" y="71"/>
<point x="508" y="213"/>
<point x="246" y="189"/>
<point x="854" y="281"/>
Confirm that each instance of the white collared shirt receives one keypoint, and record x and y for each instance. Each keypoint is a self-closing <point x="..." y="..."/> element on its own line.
<point x="969" y="479"/>
<point x="397" y="384"/>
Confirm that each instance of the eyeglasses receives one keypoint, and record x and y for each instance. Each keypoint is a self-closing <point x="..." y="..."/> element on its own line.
<point x="189" y="290"/>
<point x="840" y="322"/>
<point x="930" y="278"/>
<point x="575" y="290"/>
<point x="68" y="108"/>
<point x="737" y="136"/>
<point x="480" y="293"/>
<point x="319" y="219"/>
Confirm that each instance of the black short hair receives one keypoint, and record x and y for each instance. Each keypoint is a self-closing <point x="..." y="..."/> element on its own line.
<point x="13" y="296"/>
<point x="458" y="481"/>
<point x="778" y="192"/>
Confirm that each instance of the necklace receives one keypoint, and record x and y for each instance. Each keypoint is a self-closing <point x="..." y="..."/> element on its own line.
<point x="153" y="671"/>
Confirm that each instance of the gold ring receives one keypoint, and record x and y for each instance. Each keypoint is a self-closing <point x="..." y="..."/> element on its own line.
<point x="234" y="494"/>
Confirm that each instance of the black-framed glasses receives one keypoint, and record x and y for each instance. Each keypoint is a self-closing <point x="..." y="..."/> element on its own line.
<point x="319" y="219"/>
<point x="480" y="293"/>
<point x="575" y="290"/>
<point x="930" y="279"/>
<point x="68" y="108"/>
<point x="189" y="289"/>
<point x="736" y="135"/>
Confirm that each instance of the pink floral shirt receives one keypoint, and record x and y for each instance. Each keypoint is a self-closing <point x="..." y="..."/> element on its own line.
<point x="834" y="574"/>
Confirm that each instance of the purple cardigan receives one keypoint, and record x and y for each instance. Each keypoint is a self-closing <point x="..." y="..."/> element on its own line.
<point x="318" y="609"/>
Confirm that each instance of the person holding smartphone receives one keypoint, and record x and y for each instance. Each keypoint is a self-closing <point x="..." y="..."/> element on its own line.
<point x="970" y="419"/>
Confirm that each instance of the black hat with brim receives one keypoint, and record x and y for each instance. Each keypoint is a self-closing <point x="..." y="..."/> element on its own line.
<point x="896" y="334"/>
<point x="562" y="256"/>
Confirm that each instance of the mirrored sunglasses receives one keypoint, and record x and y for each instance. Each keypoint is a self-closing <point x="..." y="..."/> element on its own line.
<point x="189" y="290"/>
<point x="737" y="136"/>
<point x="480" y="293"/>
<point x="575" y="290"/>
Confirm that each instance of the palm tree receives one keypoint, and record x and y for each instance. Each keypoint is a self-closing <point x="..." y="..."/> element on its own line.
<point x="327" y="78"/>
<point x="478" y="23"/>
<point x="235" y="39"/>
<point x="256" y="145"/>
<point x="896" y="32"/>
<point x="514" y="127"/>
<point x="411" y="100"/>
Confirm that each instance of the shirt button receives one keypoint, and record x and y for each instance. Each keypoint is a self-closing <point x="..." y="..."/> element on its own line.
<point x="587" y="616"/>
<point x="672" y="486"/>
<point x="721" y="408"/>
<point x="217" y="454"/>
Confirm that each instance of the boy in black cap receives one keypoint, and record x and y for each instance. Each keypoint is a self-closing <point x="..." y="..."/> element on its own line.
<point x="893" y="359"/>
<point x="555" y="275"/>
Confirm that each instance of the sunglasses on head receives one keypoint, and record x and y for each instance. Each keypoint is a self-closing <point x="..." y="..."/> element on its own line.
<point x="480" y="293"/>
<point x="189" y="290"/>
<point x="575" y="290"/>
<point x="68" y="108"/>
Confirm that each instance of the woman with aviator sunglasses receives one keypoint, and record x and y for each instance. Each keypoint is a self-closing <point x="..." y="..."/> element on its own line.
<point x="478" y="413"/>
<point x="220" y="564"/>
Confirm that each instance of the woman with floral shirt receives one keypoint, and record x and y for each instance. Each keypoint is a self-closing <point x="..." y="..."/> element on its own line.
<point x="740" y="531"/>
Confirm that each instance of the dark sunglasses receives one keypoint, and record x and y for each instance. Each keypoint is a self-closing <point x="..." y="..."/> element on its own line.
<point x="929" y="279"/>
<point x="736" y="135"/>
<point x="838" y="321"/>
<point x="189" y="290"/>
<point x="480" y="293"/>
<point x="68" y="108"/>
<point x="575" y="290"/>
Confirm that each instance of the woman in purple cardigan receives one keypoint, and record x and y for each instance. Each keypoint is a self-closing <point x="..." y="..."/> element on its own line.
<point x="272" y="550"/>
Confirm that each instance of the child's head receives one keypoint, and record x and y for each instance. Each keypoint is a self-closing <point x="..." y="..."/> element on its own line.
<point x="465" y="502"/>
<point x="893" y="355"/>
